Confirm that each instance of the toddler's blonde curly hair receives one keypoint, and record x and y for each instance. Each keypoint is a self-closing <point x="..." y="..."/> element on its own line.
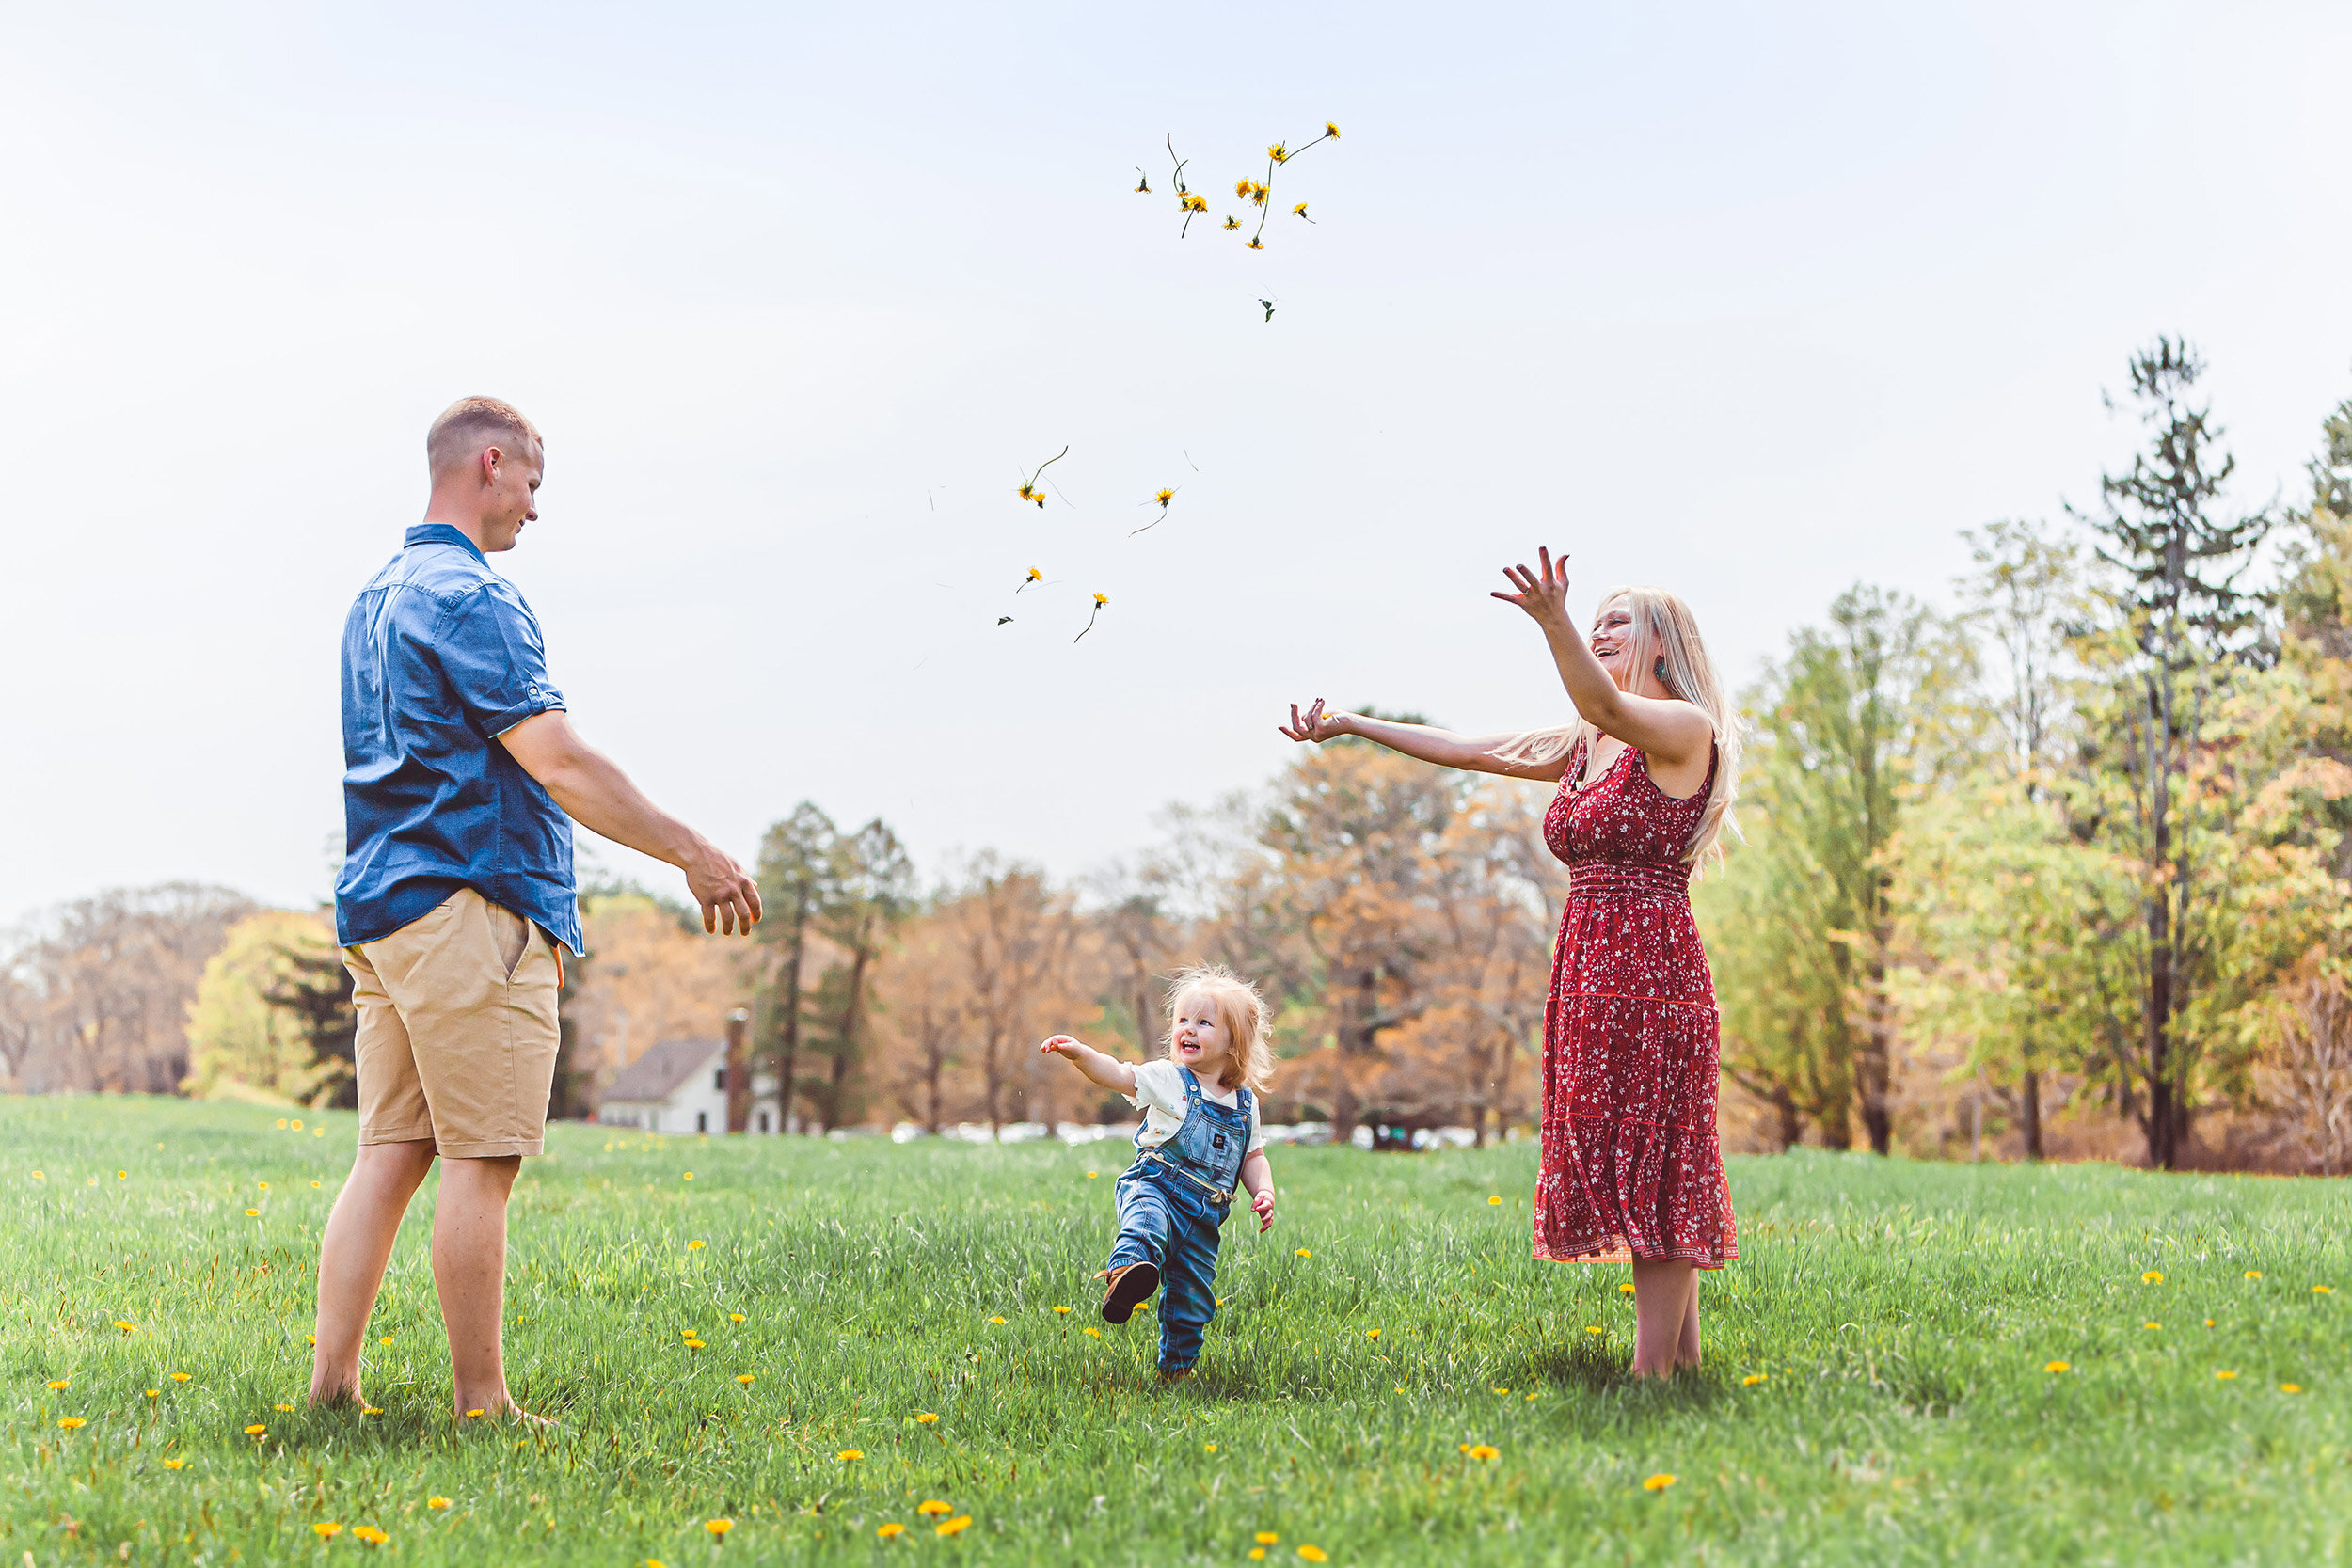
<point x="1241" y="1013"/>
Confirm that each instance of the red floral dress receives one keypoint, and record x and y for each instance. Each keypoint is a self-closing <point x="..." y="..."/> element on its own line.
<point x="1632" y="1166"/>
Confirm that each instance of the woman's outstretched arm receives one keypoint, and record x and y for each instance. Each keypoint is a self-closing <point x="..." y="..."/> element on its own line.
<point x="1668" y="729"/>
<point x="1425" y="742"/>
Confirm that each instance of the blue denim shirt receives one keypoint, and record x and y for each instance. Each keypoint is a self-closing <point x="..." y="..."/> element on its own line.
<point x="440" y="654"/>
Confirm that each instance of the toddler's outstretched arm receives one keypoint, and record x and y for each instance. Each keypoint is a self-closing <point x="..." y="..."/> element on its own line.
<point x="1257" y="1179"/>
<point x="1106" y="1070"/>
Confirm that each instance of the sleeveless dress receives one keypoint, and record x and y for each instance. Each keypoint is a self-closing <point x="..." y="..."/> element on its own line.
<point x="1632" y="1166"/>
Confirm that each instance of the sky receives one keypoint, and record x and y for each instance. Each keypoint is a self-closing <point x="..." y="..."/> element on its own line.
<point x="1755" y="302"/>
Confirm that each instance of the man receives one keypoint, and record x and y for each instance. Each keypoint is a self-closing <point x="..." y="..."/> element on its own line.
<point x="456" y="901"/>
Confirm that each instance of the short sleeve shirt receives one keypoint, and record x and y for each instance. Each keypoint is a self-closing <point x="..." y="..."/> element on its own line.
<point x="440" y="657"/>
<point x="1160" y="1094"/>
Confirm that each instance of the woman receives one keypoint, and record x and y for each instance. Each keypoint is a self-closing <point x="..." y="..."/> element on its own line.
<point x="1633" y="1169"/>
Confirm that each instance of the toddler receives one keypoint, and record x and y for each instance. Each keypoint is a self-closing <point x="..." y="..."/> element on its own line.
<point x="1200" y="1140"/>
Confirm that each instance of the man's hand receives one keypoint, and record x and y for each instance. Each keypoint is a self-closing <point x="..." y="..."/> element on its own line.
<point x="729" y="897"/>
<point x="1263" y="1206"/>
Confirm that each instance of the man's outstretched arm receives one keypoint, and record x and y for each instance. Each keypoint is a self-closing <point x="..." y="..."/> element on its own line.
<point x="595" y="793"/>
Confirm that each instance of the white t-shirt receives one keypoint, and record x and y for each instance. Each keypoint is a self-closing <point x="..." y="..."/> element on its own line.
<point x="1160" y="1094"/>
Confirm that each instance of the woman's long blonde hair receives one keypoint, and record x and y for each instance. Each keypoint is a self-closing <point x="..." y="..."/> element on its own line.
<point x="1241" y="1012"/>
<point x="1665" y="641"/>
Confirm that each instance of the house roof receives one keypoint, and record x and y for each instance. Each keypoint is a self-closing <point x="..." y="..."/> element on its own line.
<point x="656" y="1075"/>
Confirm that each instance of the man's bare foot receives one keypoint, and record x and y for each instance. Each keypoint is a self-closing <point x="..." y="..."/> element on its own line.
<point x="336" y="1398"/>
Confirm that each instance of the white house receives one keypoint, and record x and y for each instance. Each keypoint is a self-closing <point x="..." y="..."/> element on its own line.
<point x="681" y="1087"/>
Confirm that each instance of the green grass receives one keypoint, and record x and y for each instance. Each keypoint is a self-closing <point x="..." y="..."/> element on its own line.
<point x="1900" y="1317"/>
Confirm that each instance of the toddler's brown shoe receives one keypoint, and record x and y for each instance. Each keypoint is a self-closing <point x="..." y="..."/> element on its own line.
<point x="1124" y="1288"/>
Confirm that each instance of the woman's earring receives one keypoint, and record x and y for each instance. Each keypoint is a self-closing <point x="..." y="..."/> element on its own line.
<point x="1659" y="669"/>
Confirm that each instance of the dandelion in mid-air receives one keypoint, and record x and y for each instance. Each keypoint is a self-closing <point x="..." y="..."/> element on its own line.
<point x="1030" y="491"/>
<point x="1300" y="211"/>
<point x="1100" y="600"/>
<point x="1163" y="498"/>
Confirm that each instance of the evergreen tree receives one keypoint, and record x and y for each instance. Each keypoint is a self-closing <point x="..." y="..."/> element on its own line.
<point x="871" y="891"/>
<point x="797" y="879"/>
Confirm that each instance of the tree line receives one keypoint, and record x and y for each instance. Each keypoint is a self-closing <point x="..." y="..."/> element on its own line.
<point x="2065" y="858"/>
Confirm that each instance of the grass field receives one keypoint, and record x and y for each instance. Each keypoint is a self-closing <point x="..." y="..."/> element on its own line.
<point x="1878" y="1385"/>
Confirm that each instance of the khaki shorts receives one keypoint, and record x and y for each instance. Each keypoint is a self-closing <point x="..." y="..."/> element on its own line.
<point x="458" y="1031"/>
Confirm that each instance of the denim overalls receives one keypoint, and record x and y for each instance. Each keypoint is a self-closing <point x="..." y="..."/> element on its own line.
<point x="1171" y="1201"/>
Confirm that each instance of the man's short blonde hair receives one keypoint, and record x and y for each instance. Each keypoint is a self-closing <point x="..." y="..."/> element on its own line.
<point x="468" y="425"/>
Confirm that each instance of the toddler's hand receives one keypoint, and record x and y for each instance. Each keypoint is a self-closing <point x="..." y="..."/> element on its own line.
<point x="1262" y="1205"/>
<point x="1061" y="1045"/>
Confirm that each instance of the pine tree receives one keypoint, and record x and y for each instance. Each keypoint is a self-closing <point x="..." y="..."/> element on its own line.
<point x="797" y="880"/>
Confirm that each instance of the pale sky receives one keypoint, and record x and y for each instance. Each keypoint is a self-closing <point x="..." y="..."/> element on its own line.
<point x="1749" y="301"/>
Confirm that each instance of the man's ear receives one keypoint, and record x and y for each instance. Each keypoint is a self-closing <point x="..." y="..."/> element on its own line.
<point x="490" y="459"/>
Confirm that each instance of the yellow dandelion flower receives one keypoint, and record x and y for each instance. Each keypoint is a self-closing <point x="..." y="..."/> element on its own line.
<point x="1064" y="1310"/>
<point x="327" y="1529"/>
<point x="122" y="1176"/>
<point x="39" y="1177"/>
<point x="1753" y="1379"/>
<point x="175" y="1464"/>
<point x="2223" y="1377"/>
<point x="285" y="1407"/>
<point x="1163" y="498"/>
<point x="1657" y="1482"/>
<point x="1498" y="1390"/>
<point x="1267" y="1537"/>
<point x="1331" y="130"/>
<point x="927" y="1418"/>
<point x="2290" y="1388"/>
<point x="1095" y="1332"/>
<point x="1100" y="599"/>
<point x="253" y="1213"/>
<point x="59" y="1384"/>
<point x="312" y="1339"/>
<point x="933" y="1507"/>
<point x="697" y="1345"/>
<point x="1495" y="1200"/>
<point x="743" y="1378"/>
<point x="995" y="1320"/>
<point x="2323" y="1290"/>
<point x="1279" y="152"/>
<point x="2253" y="1273"/>
<point x="1257" y="1554"/>
<point x="385" y="1340"/>
<point x="263" y="1185"/>
<point x="1230" y="223"/>
<point x="1303" y="1252"/>
<point x="1483" y="1450"/>
<point x="295" y="1124"/>
<point x="2208" y="1322"/>
<point x="2058" y="1367"/>
<point x="370" y="1410"/>
<point x="71" y="1422"/>
<point x="1530" y="1398"/>
<point x="718" y="1526"/>
<point x="436" y="1503"/>
<point x="734" y="1317"/>
<point x="690" y="1176"/>
<point x="694" y="1246"/>
<point x="890" y="1531"/>
<point x="314" y="1186"/>
<point x="1256" y="244"/>
<point x="370" y="1534"/>
<point x="1194" y="203"/>
<point x="155" y="1393"/>
<point x="1312" y="1553"/>
<point x="182" y="1377"/>
<point x="1300" y="211"/>
<point x="1241" y="188"/>
<point x="281" y="1124"/>
<point x="2152" y="1323"/>
<point x="476" y="1415"/>
<point x="2152" y="1277"/>
<point x="318" y="1132"/>
<point x="1625" y="1290"/>
<point x="850" y="1455"/>
<point x="955" y="1525"/>
<point x="1371" y="1333"/>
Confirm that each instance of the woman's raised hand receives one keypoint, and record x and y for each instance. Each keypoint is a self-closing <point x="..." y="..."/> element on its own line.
<point x="1316" y="725"/>
<point x="1543" y="593"/>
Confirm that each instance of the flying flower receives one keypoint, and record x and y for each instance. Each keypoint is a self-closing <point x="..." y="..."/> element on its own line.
<point x="933" y="1507"/>
<point x="1657" y="1482"/>
<point x="1033" y="575"/>
<point x="1192" y="203"/>
<point x="1143" y="183"/>
<point x="327" y="1529"/>
<point x="1300" y="211"/>
<point x="1030" y="491"/>
<point x="1256" y="244"/>
<point x="1330" y="132"/>
<point x="1230" y="222"/>
<point x="718" y="1528"/>
<point x="890" y="1531"/>
<point x="928" y="1418"/>
<point x="71" y="1422"/>
<point x="1100" y="600"/>
<point x="955" y="1525"/>
<point x="1279" y="152"/>
<point x="1241" y="188"/>
<point x="437" y="1502"/>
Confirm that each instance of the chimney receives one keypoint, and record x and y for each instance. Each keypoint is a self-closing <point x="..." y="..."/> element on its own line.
<point x="739" y="1071"/>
